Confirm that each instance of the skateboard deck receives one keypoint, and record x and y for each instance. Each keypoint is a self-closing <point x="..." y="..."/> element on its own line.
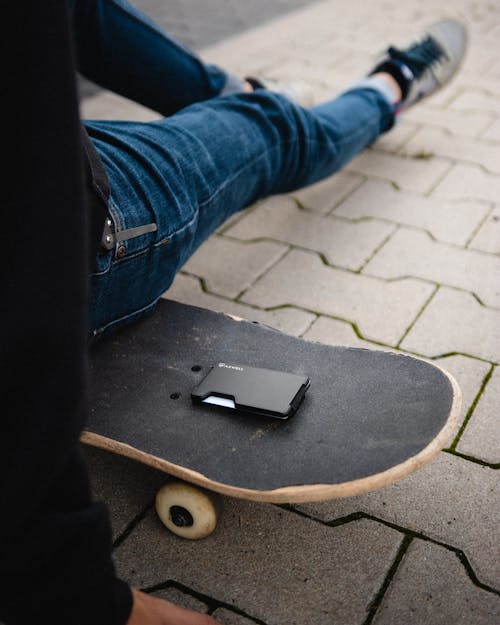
<point x="368" y="418"/>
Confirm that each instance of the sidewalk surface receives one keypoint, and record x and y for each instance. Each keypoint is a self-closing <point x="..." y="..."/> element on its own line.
<point x="401" y="250"/>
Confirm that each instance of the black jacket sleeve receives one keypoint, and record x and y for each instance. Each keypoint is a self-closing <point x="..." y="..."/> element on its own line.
<point x="55" y="543"/>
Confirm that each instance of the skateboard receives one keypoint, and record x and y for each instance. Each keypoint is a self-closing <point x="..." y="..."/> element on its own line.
<point x="368" y="417"/>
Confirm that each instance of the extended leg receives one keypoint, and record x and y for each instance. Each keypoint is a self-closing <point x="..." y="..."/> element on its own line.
<point x="190" y="172"/>
<point x="123" y="50"/>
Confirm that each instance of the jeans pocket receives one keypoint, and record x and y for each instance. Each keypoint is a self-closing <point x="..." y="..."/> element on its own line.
<point x="131" y="286"/>
<point x="103" y="262"/>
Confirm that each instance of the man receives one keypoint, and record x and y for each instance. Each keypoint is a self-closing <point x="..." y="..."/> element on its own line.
<point x="128" y="203"/>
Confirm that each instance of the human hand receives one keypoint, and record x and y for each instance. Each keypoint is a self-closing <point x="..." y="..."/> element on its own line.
<point x="149" y="610"/>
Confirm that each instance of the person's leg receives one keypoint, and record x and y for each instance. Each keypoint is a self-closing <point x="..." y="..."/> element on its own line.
<point x="188" y="173"/>
<point x="122" y="49"/>
<point x="185" y="175"/>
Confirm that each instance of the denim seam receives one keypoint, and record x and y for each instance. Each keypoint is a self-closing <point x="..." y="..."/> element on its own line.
<point x="127" y="257"/>
<point x="100" y="273"/>
<point x="116" y="214"/>
<point x="229" y="181"/>
<point x="141" y="252"/>
<point x="177" y="232"/>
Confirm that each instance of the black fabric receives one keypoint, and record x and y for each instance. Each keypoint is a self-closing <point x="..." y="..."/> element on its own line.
<point x="418" y="57"/>
<point x="55" y="543"/>
<point x="394" y="70"/>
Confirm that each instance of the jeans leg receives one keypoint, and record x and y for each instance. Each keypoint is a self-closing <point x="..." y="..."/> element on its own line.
<point x="190" y="172"/>
<point x="123" y="50"/>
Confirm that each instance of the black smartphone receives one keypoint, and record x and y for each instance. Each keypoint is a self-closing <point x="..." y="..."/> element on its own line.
<point x="265" y="392"/>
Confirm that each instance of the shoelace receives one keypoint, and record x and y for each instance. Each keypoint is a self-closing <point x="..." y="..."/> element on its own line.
<point x="419" y="57"/>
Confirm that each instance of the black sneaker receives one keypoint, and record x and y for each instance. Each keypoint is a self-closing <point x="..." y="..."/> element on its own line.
<point x="428" y="63"/>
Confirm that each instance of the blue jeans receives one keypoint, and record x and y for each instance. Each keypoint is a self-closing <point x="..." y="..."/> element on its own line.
<point x="215" y="152"/>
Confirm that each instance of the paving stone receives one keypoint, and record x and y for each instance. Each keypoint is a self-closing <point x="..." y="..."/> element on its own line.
<point x="270" y="563"/>
<point x="464" y="124"/>
<point x="337" y="84"/>
<point x="227" y="617"/>
<point x="407" y="173"/>
<point x="488" y="237"/>
<point x="108" y="105"/>
<point x="494" y="71"/>
<point x="475" y="81"/>
<point x="187" y="290"/>
<point x="302" y="69"/>
<point x="450" y="500"/>
<point x="432" y="586"/>
<point x="325" y="195"/>
<point x="343" y="243"/>
<point x="455" y="322"/>
<point x="307" y="25"/>
<point x="441" y="100"/>
<point x="477" y="101"/>
<point x="229" y="267"/>
<point x="492" y="133"/>
<point x="449" y="221"/>
<point x="336" y="332"/>
<point x="493" y="29"/>
<point x="382" y="310"/>
<point x="327" y="54"/>
<point x="470" y="374"/>
<point x="326" y="61"/>
<point x="469" y="181"/>
<point x="476" y="65"/>
<point x="182" y="599"/>
<point x="379" y="36"/>
<point x="399" y="135"/>
<point x="240" y="63"/>
<point x="126" y="486"/>
<point x="412" y="253"/>
<point x="481" y="438"/>
<point x="430" y="141"/>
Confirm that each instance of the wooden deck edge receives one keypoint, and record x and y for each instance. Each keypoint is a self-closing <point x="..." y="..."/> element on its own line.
<point x="300" y="493"/>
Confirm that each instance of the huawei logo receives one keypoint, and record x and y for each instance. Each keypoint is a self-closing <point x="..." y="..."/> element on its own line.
<point x="224" y="366"/>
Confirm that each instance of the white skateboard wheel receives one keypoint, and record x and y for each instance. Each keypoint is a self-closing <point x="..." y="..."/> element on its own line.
<point x="187" y="511"/>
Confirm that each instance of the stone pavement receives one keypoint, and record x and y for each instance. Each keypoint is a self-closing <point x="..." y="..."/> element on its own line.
<point x="400" y="251"/>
